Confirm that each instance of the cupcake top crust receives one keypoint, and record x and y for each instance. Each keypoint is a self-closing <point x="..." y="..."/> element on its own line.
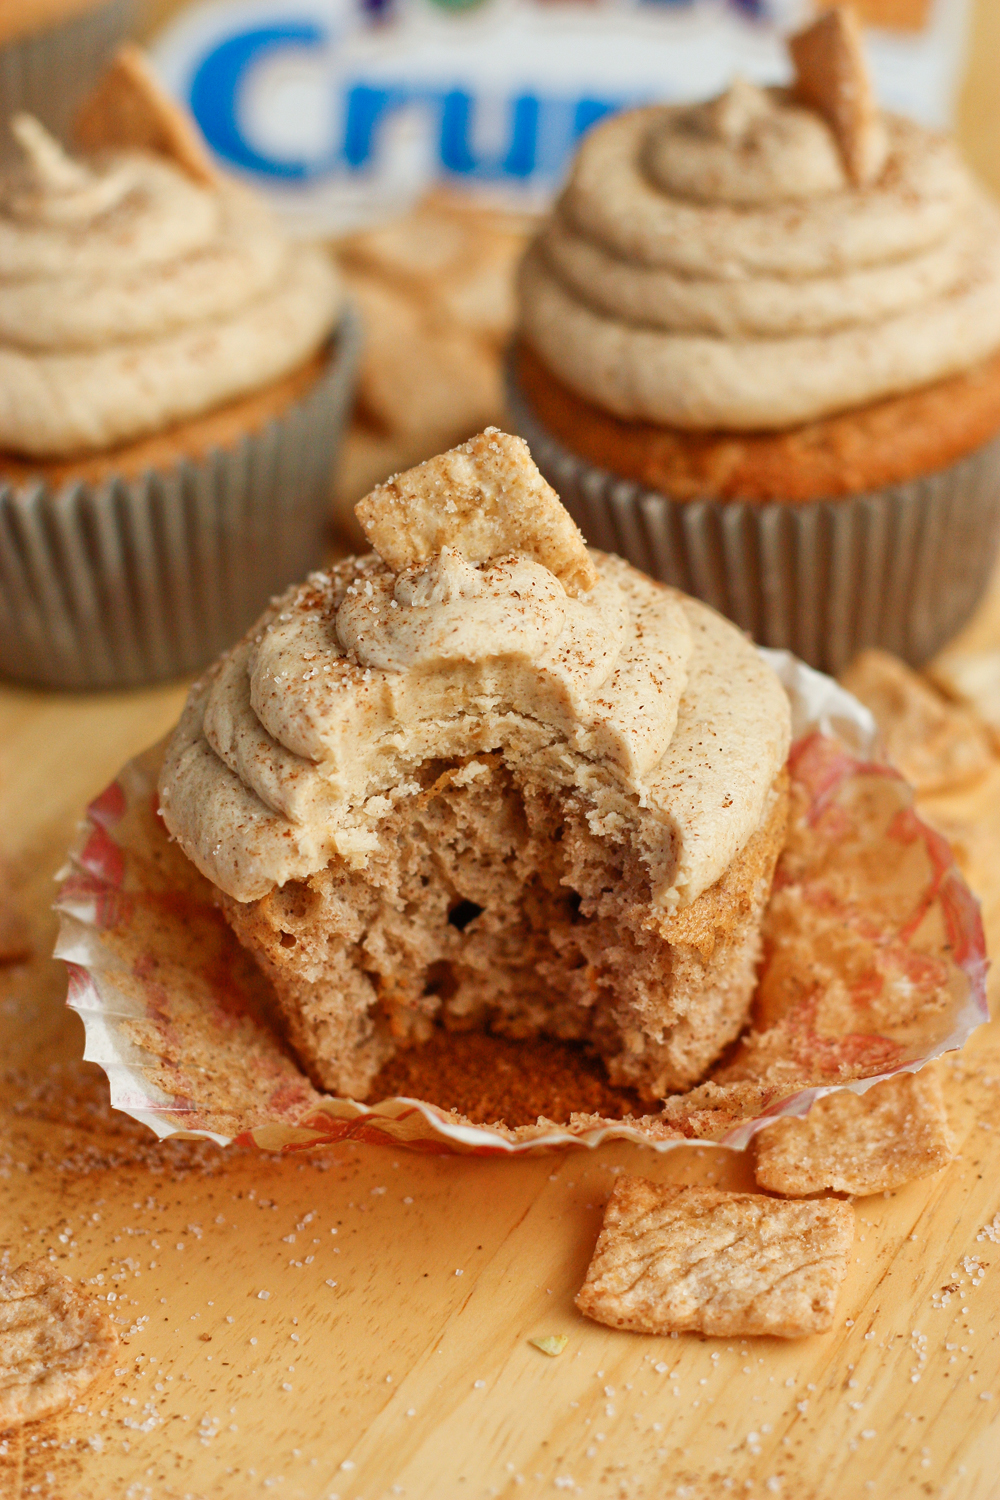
<point x="767" y="258"/>
<point x="135" y="293"/>
<point x="480" y="624"/>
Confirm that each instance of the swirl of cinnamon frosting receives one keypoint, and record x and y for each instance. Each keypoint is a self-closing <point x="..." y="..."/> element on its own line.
<point x="713" y="267"/>
<point x="132" y="297"/>
<point x="298" y="742"/>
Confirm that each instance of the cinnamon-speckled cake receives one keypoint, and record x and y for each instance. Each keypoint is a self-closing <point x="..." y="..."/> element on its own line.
<point x="484" y="778"/>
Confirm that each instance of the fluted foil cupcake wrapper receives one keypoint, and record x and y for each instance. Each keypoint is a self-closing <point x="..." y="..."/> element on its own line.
<point x="137" y="580"/>
<point x="900" y="568"/>
<point x="50" y="72"/>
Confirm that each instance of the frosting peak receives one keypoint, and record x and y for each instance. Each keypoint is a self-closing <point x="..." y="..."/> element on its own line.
<point x="450" y="611"/>
<point x="133" y="296"/>
<point x="750" y="147"/>
<point x="447" y="577"/>
<point x="764" y="259"/>
<point x="59" y="190"/>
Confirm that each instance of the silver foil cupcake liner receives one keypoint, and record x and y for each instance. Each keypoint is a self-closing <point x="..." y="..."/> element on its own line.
<point x="137" y="580"/>
<point x="900" y="568"/>
<point x="50" y="71"/>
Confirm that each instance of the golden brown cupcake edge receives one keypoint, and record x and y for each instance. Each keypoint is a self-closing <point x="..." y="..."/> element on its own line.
<point x="867" y="448"/>
<point x="193" y="439"/>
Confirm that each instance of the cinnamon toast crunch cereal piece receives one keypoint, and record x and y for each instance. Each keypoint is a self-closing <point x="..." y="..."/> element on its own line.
<point x="130" y="108"/>
<point x="485" y="499"/>
<point x="54" y="1342"/>
<point x="419" y="379"/>
<point x="831" y="77"/>
<point x="935" y="744"/>
<point x="859" y="1143"/>
<point x="972" y="677"/>
<point x="686" y="1259"/>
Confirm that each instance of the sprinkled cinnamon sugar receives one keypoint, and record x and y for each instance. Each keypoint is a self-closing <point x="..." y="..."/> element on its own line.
<point x="492" y="1078"/>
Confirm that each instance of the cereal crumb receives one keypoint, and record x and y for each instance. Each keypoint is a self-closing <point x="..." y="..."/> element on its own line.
<point x="553" y="1343"/>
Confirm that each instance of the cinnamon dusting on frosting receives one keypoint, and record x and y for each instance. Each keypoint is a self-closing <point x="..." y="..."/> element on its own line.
<point x="133" y="297"/>
<point x="766" y="258"/>
<point x="307" y="734"/>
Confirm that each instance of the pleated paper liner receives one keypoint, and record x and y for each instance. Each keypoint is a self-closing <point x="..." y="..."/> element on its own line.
<point x="179" y="1017"/>
<point x="900" y="568"/>
<point x="49" y="71"/>
<point x="138" y="580"/>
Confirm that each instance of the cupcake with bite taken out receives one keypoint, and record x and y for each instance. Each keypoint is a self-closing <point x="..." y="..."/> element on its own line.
<point x="759" y="355"/>
<point x="173" y="377"/>
<point x="484" y="779"/>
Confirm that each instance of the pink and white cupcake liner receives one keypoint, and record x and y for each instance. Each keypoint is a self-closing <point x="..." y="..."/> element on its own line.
<point x="179" y="1017"/>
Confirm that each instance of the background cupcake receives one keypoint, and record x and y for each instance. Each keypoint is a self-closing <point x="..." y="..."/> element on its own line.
<point x="759" y="356"/>
<point x="171" y="393"/>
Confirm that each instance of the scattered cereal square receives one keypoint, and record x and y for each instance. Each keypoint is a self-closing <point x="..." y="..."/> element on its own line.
<point x="935" y="744"/>
<point x="686" y="1259"/>
<point x="858" y="1143"/>
<point x="54" y="1342"/>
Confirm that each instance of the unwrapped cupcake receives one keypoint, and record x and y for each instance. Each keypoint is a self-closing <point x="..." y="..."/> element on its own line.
<point x="484" y="778"/>
<point x="173" y="375"/>
<point x="758" y="356"/>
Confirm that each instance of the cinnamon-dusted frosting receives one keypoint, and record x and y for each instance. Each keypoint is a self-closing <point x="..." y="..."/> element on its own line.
<point x="715" y="267"/>
<point x="298" y="742"/>
<point x="132" y="297"/>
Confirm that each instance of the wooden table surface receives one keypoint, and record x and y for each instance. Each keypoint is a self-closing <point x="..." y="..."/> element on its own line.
<point x="356" y="1323"/>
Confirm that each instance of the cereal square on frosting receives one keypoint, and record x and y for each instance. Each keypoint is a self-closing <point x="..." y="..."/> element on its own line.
<point x="859" y="1143"/>
<point x="485" y="499"/>
<point x="687" y="1259"/>
<point x="129" y="108"/>
<point x="831" y="75"/>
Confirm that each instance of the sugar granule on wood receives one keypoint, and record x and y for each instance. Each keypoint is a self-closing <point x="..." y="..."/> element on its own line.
<point x="685" y="1259"/>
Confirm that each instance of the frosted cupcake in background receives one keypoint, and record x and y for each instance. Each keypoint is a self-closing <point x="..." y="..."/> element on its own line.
<point x="51" y="54"/>
<point x="171" y="394"/>
<point x="759" y="355"/>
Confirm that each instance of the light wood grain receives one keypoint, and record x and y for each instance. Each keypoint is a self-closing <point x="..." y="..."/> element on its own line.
<point x="414" y="1369"/>
<point x="409" y="1378"/>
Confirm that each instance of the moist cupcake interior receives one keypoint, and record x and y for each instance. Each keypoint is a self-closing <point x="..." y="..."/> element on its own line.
<point x="491" y="904"/>
<point x="488" y="904"/>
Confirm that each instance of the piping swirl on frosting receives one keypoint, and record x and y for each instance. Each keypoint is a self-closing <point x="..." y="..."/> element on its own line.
<point x="713" y="267"/>
<point x="303" y="737"/>
<point x="132" y="297"/>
